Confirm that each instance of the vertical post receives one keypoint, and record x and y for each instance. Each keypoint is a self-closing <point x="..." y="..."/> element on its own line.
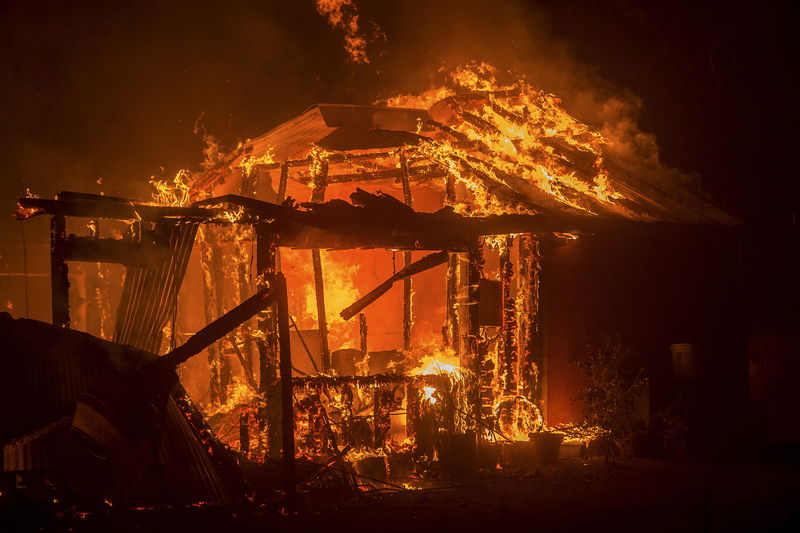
<point x="59" y="273"/>
<point x="452" y="326"/>
<point x="542" y="342"/>
<point x="528" y="317"/>
<point x="363" y="365"/>
<point x="408" y="317"/>
<point x="475" y="345"/>
<point x="508" y="358"/>
<point x="219" y="280"/>
<point x="287" y="409"/>
<point x="267" y="345"/>
<point x="247" y="187"/>
<point x="284" y="180"/>
<point x="320" y="176"/>
<point x="453" y="286"/>
<point x="281" y="196"/>
<point x="209" y="308"/>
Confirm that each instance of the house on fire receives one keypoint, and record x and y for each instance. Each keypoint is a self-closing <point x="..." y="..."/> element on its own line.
<point x="425" y="254"/>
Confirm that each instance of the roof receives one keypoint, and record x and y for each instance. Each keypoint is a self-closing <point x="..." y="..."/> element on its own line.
<point x="647" y="192"/>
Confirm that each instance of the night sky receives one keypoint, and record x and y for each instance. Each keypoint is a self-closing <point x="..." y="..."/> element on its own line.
<point x="110" y="90"/>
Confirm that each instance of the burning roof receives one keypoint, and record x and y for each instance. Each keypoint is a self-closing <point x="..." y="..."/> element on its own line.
<point x="513" y="148"/>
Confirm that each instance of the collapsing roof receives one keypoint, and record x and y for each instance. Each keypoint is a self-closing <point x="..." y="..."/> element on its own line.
<point x="484" y="140"/>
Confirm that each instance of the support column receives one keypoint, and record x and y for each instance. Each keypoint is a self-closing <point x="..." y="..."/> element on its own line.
<point x="59" y="273"/>
<point x="452" y="335"/>
<point x="476" y="348"/>
<point x="528" y="317"/>
<point x="320" y="176"/>
<point x="408" y="317"/>
<point x="287" y="409"/>
<point x="268" y="360"/>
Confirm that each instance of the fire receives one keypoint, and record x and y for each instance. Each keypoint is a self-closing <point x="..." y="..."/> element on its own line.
<point x="343" y="15"/>
<point x="339" y="276"/>
<point x="248" y="163"/>
<point x="428" y="392"/>
<point x="175" y="192"/>
<point x="511" y="136"/>
<point x="439" y="364"/>
<point x="239" y="393"/>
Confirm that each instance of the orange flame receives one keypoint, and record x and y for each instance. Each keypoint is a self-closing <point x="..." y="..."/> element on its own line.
<point x="343" y="15"/>
<point x="511" y="136"/>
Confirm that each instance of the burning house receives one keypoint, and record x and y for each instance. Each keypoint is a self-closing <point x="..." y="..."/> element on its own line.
<point x="407" y="246"/>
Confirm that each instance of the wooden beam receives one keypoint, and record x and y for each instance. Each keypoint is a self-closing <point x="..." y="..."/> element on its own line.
<point x="267" y="343"/>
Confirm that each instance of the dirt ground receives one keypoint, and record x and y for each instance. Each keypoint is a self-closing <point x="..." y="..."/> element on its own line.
<point x="627" y="495"/>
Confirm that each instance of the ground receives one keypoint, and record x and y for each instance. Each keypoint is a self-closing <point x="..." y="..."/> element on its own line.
<point x="626" y="495"/>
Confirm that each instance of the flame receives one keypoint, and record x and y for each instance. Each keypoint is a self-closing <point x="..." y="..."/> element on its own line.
<point x="175" y="192"/>
<point x="23" y="213"/>
<point x="248" y="163"/>
<point x="343" y="15"/>
<point x="504" y="136"/>
<point x="238" y="393"/>
<point x="339" y="276"/>
<point x="441" y="363"/>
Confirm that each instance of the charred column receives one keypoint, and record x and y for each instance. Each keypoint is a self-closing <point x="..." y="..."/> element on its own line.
<point x="407" y="283"/>
<point x="508" y="356"/>
<point x="268" y="345"/>
<point x="452" y="326"/>
<point x="59" y="273"/>
<point x="243" y="235"/>
<point x="213" y="292"/>
<point x="287" y="410"/>
<point x="320" y="176"/>
<point x="363" y="365"/>
<point x="528" y="316"/>
<point x="476" y="349"/>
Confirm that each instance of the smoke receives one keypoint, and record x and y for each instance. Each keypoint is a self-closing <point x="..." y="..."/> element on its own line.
<point x="427" y="40"/>
<point x="343" y="16"/>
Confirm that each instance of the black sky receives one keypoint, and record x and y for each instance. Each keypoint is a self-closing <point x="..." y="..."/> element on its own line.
<point x="112" y="90"/>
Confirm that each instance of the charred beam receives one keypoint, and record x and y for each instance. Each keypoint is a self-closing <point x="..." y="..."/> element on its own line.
<point x="426" y="263"/>
<point x="95" y="206"/>
<point x="122" y="251"/>
<point x="508" y="361"/>
<point x="218" y="328"/>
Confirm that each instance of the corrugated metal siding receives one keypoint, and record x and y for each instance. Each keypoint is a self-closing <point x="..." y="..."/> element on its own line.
<point x="149" y="294"/>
